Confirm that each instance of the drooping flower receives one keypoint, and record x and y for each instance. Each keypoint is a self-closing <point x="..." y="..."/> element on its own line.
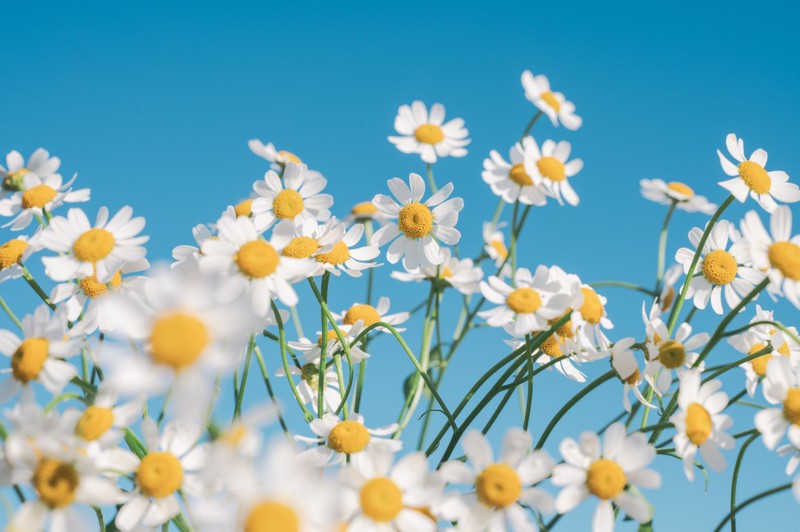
<point x="681" y="194"/>
<point x="553" y="104"/>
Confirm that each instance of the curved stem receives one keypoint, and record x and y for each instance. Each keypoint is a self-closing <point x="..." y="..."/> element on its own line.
<point x="237" y="409"/>
<point x="753" y="435"/>
<point x="530" y="125"/>
<point x="529" y="397"/>
<point x="629" y="286"/>
<point x="282" y="335"/>
<point x="751" y="500"/>
<point x="270" y="391"/>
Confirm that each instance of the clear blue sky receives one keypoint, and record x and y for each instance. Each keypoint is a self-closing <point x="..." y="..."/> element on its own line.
<point x="152" y="103"/>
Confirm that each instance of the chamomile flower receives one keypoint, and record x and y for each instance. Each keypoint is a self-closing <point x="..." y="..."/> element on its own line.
<point x="665" y="355"/>
<point x="13" y="174"/>
<point x="13" y="254"/>
<point x="427" y="133"/>
<point x="346" y="257"/>
<point x="700" y="423"/>
<point x="549" y="166"/>
<point x="309" y="240"/>
<point x="553" y="104"/>
<point x="369" y="315"/>
<point x="461" y="274"/>
<point x="605" y="472"/>
<point x="509" y="180"/>
<point x="295" y="199"/>
<point x="37" y="196"/>
<point x="417" y="223"/>
<point x="278" y="158"/>
<point x="104" y="421"/>
<point x="308" y="387"/>
<point x="624" y="362"/>
<point x="678" y="193"/>
<point x="495" y="243"/>
<point x="588" y="316"/>
<point x="186" y="255"/>
<point x="722" y="269"/>
<point x="777" y="254"/>
<point x="504" y="489"/>
<point x="750" y="343"/>
<point x="345" y="438"/>
<point x="98" y="251"/>
<point x="667" y="294"/>
<point x="554" y="346"/>
<point x="365" y="212"/>
<point x="39" y="355"/>
<point x="530" y="303"/>
<point x="311" y="351"/>
<point x="781" y="387"/>
<point x="750" y="178"/>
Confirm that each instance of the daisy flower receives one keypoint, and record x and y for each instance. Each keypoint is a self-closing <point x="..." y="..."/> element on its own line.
<point x="750" y="343"/>
<point x="295" y="199"/>
<point x="554" y="346"/>
<point x="345" y="257"/>
<point x="750" y="178"/>
<point x="530" y="304"/>
<point x="37" y="196"/>
<point x="13" y="254"/>
<point x="553" y="104"/>
<point x="510" y="181"/>
<point x="722" y="269"/>
<point x="667" y="294"/>
<point x="604" y="472"/>
<point x="417" y="223"/>
<point x="365" y="212"/>
<point x="550" y="168"/>
<point x="278" y="158"/>
<point x="700" y="423"/>
<point x="678" y="193"/>
<point x="588" y="316"/>
<point x="172" y="463"/>
<point x="13" y="174"/>
<point x="308" y="387"/>
<point x="369" y="315"/>
<point x="104" y="421"/>
<point x="345" y="438"/>
<point x="39" y="355"/>
<point x="311" y="351"/>
<point x="427" y="134"/>
<point x="624" y="362"/>
<point x="503" y="489"/>
<point x="461" y="274"/>
<point x="309" y="240"/>
<point x="781" y="387"/>
<point x="495" y="243"/>
<point x="378" y="496"/>
<point x="778" y="254"/>
<point x="665" y="355"/>
<point x="98" y="251"/>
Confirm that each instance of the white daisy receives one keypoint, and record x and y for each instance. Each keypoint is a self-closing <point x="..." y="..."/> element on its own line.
<point x="308" y="387"/>
<point x="295" y="199"/>
<point x="186" y="255"/>
<point x="678" y="193"/>
<point x="750" y="343"/>
<point x="309" y="240"/>
<point x="364" y="212"/>
<point x="665" y="355"/>
<point x="98" y="251"/>
<point x="419" y="226"/>
<point x="103" y="422"/>
<point x="667" y="294"/>
<point x="550" y="167"/>
<point x="510" y="181"/>
<point x="13" y="174"/>
<point x="427" y="134"/>
<point x="554" y="346"/>
<point x="495" y="243"/>
<point x="700" y="423"/>
<point x="503" y="489"/>
<point x="553" y="104"/>
<point x="39" y="195"/>
<point x="604" y="472"/>
<point x="310" y="351"/>
<point x="345" y="438"/>
<point x="624" y="362"/>
<point x="781" y="387"/>
<point x="461" y="274"/>
<point x="588" y="316"/>
<point x="346" y="257"/>
<point x="751" y="178"/>
<point x="278" y="158"/>
<point x="13" y="255"/>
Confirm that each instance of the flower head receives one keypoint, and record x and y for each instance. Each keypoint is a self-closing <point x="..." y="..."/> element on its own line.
<point x="553" y="104"/>
<point x="427" y="133"/>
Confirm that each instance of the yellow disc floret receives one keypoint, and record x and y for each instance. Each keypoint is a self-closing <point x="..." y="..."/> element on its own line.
<point x="177" y="340"/>
<point x="244" y="208"/>
<point x="500" y="248"/>
<point x="592" y="308"/>
<point x="552" y="168"/>
<point x="759" y="364"/>
<point x="381" y="499"/>
<point x="37" y="196"/>
<point x="257" y="259"/>
<point x="11" y="253"/>
<point x="160" y="474"/>
<point x="698" y="424"/>
<point x="498" y="486"/>
<point x="605" y="479"/>
<point x="680" y="188"/>
<point x="93" y="245"/>
<point x="287" y="204"/>
<point x="336" y="256"/>
<point x="551" y="100"/>
<point x="366" y="313"/>
<point x="415" y="220"/>
<point x="93" y="288"/>
<point x="551" y="348"/>
<point x="791" y="406"/>
<point x="364" y="209"/>
<point x="271" y="516"/>
<point x="301" y="247"/>
<point x="785" y="257"/>
<point x="28" y="360"/>
<point x="755" y="177"/>
<point x="429" y="134"/>
<point x="56" y="482"/>
<point x="524" y="300"/>
<point x="348" y="437"/>
<point x="95" y="421"/>
<point x="288" y="157"/>
<point x="672" y="354"/>
<point x="518" y="175"/>
<point x="719" y="267"/>
<point x="15" y="181"/>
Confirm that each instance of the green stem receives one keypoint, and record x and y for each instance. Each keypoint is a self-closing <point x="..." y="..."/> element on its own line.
<point x="530" y="125"/>
<point x="621" y="284"/>
<point x="775" y="324"/>
<point x="298" y="326"/>
<point x="100" y="521"/>
<point x="282" y="335"/>
<point x="36" y="288"/>
<point x="751" y="500"/>
<point x="270" y="391"/>
<point x="237" y="410"/>
<point x="529" y="399"/>
<point x="10" y="313"/>
<point x="753" y="435"/>
<point x="431" y="180"/>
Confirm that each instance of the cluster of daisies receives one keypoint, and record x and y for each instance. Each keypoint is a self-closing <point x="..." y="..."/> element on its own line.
<point x="109" y="395"/>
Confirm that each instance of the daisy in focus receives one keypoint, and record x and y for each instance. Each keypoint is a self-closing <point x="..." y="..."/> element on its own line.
<point x="553" y="104"/>
<point x="345" y="439"/>
<point x="781" y="387"/>
<point x="461" y="274"/>
<point x="12" y="175"/>
<point x="427" y="134"/>
<point x="750" y="343"/>
<point x="549" y="167"/>
<point x="295" y="199"/>
<point x="554" y="346"/>
<point x="665" y="355"/>
<point x="344" y="256"/>
<point x="624" y="362"/>
<point x="510" y="181"/>
<point x="678" y="193"/>
<point x="39" y="195"/>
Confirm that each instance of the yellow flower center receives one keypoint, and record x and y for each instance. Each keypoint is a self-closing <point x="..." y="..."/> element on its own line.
<point x="552" y="168"/>
<point x="759" y="364"/>
<point x="94" y="422"/>
<point x="160" y="474"/>
<point x="14" y="180"/>
<point x="672" y="354"/>
<point x="592" y="308"/>
<point x="719" y="267"/>
<point x="272" y="516"/>
<point x="680" y="188"/>
<point x="415" y="220"/>
<point x="785" y="256"/>
<point x="446" y="273"/>
<point x="11" y="253"/>
<point x="755" y="177"/>
<point x="791" y="406"/>
<point x="367" y="313"/>
<point x="288" y="156"/>
<point x="331" y="338"/>
<point x="698" y="424"/>
<point x="498" y="486"/>
<point x="500" y="248"/>
<point x="633" y="378"/>
<point x="565" y="331"/>
<point x="29" y="358"/>
<point x="365" y="208"/>
<point x="287" y="204"/>
<point x="518" y="175"/>
<point x="551" y="348"/>
<point x="550" y="99"/>
<point x="668" y="299"/>
<point x="301" y="247"/>
<point x="429" y="134"/>
<point x="235" y="435"/>
<point x="244" y="208"/>
<point x="338" y="255"/>
<point x="257" y="259"/>
<point x="784" y="348"/>
<point x="524" y="300"/>
<point x="56" y="482"/>
<point x="93" y="288"/>
<point x="348" y="437"/>
<point x="381" y="499"/>
<point x="93" y="245"/>
<point x="605" y="479"/>
<point x="177" y="340"/>
<point x="37" y="196"/>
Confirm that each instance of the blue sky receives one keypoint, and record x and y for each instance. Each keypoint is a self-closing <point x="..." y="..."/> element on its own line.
<point x="152" y="104"/>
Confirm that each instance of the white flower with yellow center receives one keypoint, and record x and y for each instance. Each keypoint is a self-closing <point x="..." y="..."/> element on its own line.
<point x="721" y="269"/>
<point x="102" y="423"/>
<point x="700" y="423"/>
<point x="609" y="473"/>
<point x="310" y="351"/>
<point x="461" y="274"/>
<point x="278" y="158"/>
<point x="308" y="387"/>
<point x="344" y="256"/>
<point x="781" y="387"/>
<point x="186" y="255"/>
<point x="309" y="240"/>
<point x="13" y="174"/>
<point x="550" y="167"/>
<point x="750" y="177"/>
<point x="509" y="180"/>
<point x="250" y="263"/>
<point x="495" y="243"/>
<point x="98" y="251"/>
<point x="295" y="199"/>
<point x="681" y="194"/>
<point x="13" y="255"/>
<point x="553" y="104"/>
<point x="39" y="355"/>
<point x="172" y="463"/>
<point x="504" y="489"/>
<point x="427" y="133"/>
<point x="777" y="254"/>
<point x="667" y="294"/>
<point x="363" y="212"/>
<point x="341" y="439"/>
<point x="369" y="315"/>
<point x="38" y="195"/>
<point x="419" y="226"/>
<point x="588" y="316"/>
<point x="665" y="355"/>
<point x="750" y="343"/>
<point x="530" y="304"/>
<point x="624" y="362"/>
<point x="554" y="346"/>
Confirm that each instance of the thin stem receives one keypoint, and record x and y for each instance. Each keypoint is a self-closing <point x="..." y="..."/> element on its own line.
<point x="751" y="500"/>
<point x="282" y="335"/>
<point x="431" y="180"/>
<point x="237" y="410"/>
<point x="36" y="288"/>
<point x="298" y="326"/>
<point x="621" y="284"/>
<point x="10" y="313"/>
<point x="530" y="125"/>
<point x="753" y="435"/>
<point x="529" y="398"/>
<point x="270" y="391"/>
